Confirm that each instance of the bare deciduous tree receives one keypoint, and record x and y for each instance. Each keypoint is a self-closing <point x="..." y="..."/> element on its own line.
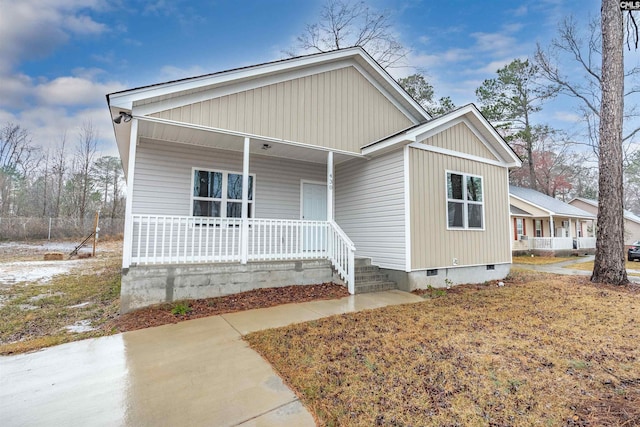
<point x="585" y="49"/>
<point x="108" y="176"/>
<point x="85" y="152"/>
<point x="18" y="157"/>
<point x="344" y="23"/>
<point x="59" y="170"/>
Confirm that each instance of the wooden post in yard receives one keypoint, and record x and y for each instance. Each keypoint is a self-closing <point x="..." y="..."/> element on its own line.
<point x="95" y="233"/>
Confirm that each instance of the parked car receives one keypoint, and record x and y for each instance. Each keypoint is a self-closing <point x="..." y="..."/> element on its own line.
<point x="634" y="251"/>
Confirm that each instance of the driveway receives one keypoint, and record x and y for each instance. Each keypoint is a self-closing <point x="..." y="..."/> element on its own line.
<point x="195" y="373"/>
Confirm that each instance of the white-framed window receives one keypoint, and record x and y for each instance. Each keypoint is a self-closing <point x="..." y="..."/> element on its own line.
<point x="219" y="193"/>
<point x="520" y="226"/>
<point x="538" y="227"/>
<point x="465" y="202"/>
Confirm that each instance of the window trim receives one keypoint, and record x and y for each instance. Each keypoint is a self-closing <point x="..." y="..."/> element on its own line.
<point x="523" y="229"/>
<point x="535" y="228"/>
<point x="464" y="201"/>
<point x="224" y="199"/>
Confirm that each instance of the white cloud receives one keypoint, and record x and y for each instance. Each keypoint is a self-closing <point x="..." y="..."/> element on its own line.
<point x="47" y="125"/>
<point x="520" y="11"/>
<point x="83" y="25"/>
<point x="74" y="91"/>
<point x="496" y="44"/>
<point x="33" y="28"/>
<point x="569" y="117"/>
<point x="15" y="90"/>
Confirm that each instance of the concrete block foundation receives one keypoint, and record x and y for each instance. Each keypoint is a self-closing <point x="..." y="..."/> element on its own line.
<point x="144" y="285"/>
<point x="443" y="277"/>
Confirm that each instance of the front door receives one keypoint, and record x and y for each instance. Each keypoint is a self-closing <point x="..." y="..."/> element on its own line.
<point x="314" y="208"/>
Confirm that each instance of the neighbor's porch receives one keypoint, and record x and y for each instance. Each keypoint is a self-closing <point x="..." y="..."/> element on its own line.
<point x="552" y="233"/>
<point x="225" y="197"/>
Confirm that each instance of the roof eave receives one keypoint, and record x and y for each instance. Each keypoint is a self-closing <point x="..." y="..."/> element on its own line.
<point x="511" y="160"/>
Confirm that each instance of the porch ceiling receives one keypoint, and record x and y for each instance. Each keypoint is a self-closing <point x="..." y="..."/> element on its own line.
<point x="234" y="141"/>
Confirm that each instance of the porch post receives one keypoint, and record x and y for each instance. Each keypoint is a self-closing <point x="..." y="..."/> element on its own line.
<point x="552" y="231"/>
<point x="128" y="223"/>
<point x="329" y="203"/>
<point x="330" y="186"/>
<point x="570" y="228"/>
<point x="244" y="235"/>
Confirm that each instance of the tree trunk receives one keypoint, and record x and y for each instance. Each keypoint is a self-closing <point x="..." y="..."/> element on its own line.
<point x="609" y="266"/>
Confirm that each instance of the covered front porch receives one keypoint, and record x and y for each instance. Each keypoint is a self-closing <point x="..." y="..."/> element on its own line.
<point x="552" y="233"/>
<point x="204" y="195"/>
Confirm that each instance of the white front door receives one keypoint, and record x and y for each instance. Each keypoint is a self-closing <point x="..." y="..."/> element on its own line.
<point x="314" y="201"/>
<point x="314" y="208"/>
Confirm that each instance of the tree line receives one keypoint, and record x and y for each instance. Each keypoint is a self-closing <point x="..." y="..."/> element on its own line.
<point x="64" y="179"/>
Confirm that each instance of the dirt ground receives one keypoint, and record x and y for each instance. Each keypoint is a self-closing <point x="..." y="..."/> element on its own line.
<point x="24" y="261"/>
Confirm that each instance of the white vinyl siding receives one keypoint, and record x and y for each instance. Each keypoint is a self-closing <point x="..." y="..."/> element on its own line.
<point x="369" y="197"/>
<point x="163" y="179"/>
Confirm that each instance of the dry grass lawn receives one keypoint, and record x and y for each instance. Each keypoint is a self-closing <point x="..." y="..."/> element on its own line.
<point x="588" y="266"/>
<point x="543" y="350"/>
<point x="35" y="315"/>
<point x="539" y="260"/>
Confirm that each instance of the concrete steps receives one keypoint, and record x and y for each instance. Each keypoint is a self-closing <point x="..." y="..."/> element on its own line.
<point x="369" y="278"/>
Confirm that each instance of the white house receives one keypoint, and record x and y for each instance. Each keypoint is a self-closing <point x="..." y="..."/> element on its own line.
<point x="290" y="171"/>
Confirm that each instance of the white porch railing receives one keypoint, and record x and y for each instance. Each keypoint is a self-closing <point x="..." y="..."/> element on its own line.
<point x="342" y="255"/>
<point x="551" y="243"/>
<point x="586" y="243"/>
<point x="186" y="239"/>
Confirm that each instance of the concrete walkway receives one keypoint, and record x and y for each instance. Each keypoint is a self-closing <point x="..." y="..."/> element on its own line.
<point x="196" y="373"/>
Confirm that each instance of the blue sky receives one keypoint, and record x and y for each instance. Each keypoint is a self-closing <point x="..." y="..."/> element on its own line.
<point x="58" y="58"/>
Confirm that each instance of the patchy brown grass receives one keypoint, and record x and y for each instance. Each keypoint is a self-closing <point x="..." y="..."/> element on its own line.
<point x="35" y="315"/>
<point x="538" y="260"/>
<point x="543" y="350"/>
<point x="588" y="266"/>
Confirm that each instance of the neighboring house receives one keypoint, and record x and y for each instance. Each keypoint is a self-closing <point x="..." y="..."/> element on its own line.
<point x="284" y="172"/>
<point x="631" y="220"/>
<point x="545" y="224"/>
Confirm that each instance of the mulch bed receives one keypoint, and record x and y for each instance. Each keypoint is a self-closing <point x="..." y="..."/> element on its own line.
<point x="259" y="298"/>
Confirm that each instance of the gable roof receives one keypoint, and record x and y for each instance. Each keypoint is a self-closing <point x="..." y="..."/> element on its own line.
<point x="143" y="102"/>
<point x="547" y="203"/>
<point x="516" y="211"/>
<point x="627" y="214"/>
<point x="162" y="92"/>
<point x="469" y="114"/>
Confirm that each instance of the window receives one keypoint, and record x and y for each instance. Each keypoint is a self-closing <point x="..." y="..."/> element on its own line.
<point x="219" y="194"/>
<point x="465" y="205"/>
<point x="538" y="226"/>
<point x="520" y="226"/>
